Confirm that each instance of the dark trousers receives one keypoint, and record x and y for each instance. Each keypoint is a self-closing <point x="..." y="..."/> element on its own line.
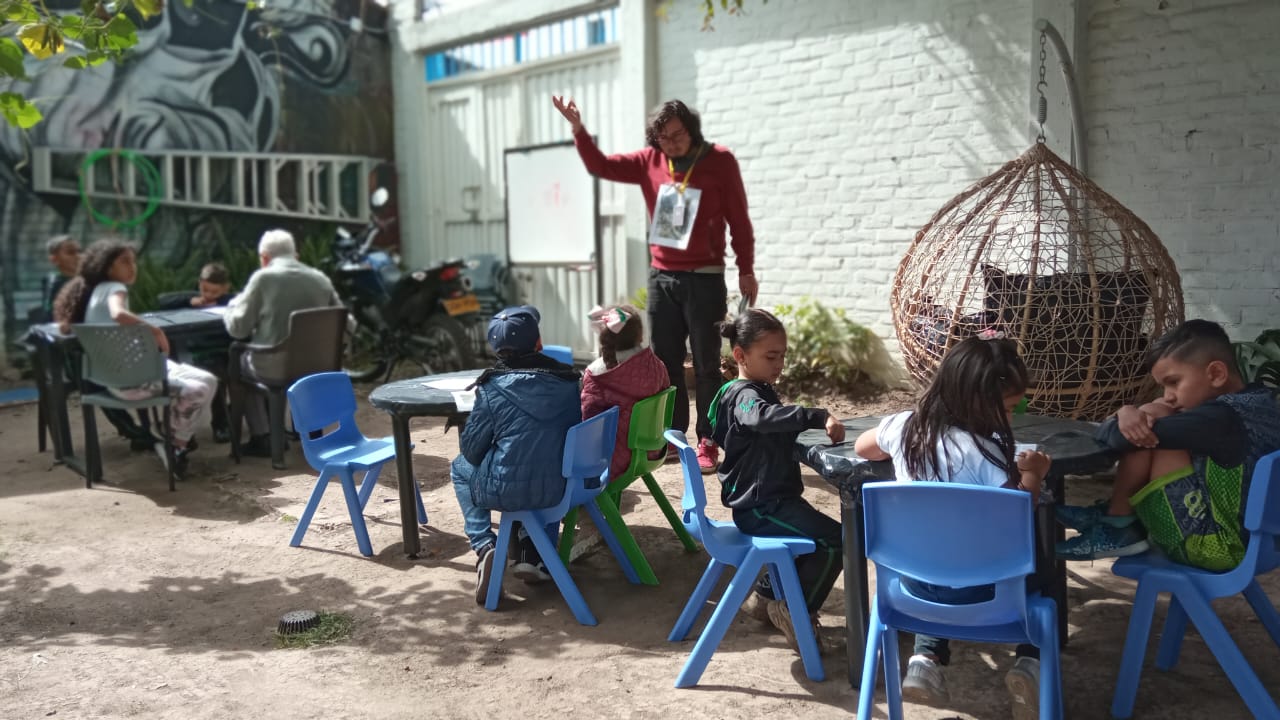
<point x="688" y="305"/>
<point x="941" y="647"/>
<point x="797" y="518"/>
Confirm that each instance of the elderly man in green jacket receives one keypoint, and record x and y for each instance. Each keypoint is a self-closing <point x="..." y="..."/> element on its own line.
<point x="261" y="313"/>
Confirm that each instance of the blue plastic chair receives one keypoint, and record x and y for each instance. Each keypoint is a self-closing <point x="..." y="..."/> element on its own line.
<point x="926" y="531"/>
<point x="318" y="402"/>
<point x="588" y="448"/>
<point x="559" y="353"/>
<point x="729" y="546"/>
<point x="1191" y="590"/>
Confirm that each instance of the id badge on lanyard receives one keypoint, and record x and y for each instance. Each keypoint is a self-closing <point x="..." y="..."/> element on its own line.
<point x="677" y="211"/>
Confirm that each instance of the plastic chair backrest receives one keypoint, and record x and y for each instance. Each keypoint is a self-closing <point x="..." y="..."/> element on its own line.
<point x="559" y="353"/>
<point x="119" y="356"/>
<point x="693" y="503"/>
<point x="1262" y="514"/>
<point x="650" y="419"/>
<point x="314" y="345"/>
<point x="319" y="401"/>
<point x="588" y="446"/>
<point x="955" y="535"/>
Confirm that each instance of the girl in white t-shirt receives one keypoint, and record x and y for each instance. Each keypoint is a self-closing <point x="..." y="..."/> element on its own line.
<point x="99" y="294"/>
<point x="960" y="432"/>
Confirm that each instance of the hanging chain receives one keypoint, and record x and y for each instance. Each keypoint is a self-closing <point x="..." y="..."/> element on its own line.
<point x="1042" y="109"/>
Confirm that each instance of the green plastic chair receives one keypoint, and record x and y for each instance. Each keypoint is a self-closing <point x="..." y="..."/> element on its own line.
<point x="650" y="418"/>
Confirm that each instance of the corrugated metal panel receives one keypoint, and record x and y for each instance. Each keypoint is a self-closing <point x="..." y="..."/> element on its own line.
<point x="460" y="207"/>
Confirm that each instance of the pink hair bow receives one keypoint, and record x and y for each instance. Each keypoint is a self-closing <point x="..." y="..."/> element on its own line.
<point x="613" y="318"/>
<point x="991" y="334"/>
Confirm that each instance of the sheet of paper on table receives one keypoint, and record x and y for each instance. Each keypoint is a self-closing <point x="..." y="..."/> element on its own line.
<point x="464" y="399"/>
<point x="218" y="310"/>
<point x="459" y="383"/>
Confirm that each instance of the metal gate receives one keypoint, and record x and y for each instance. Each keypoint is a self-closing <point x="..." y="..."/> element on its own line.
<point x="471" y="119"/>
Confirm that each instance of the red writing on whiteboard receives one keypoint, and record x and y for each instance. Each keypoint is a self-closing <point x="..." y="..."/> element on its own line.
<point x="553" y="195"/>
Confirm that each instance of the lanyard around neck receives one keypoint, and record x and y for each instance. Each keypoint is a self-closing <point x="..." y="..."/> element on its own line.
<point x="671" y="169"/>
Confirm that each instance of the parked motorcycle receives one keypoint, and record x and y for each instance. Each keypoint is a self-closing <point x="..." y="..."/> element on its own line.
<point x="418" y="318"/>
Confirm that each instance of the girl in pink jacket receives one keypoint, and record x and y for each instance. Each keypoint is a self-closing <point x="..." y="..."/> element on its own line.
<point x="626" y="372"/>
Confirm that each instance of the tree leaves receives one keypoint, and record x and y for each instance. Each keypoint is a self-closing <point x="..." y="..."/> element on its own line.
<point x="41" y="40"/>
<point x="93" y="33"/>
<point x="18" y="112"/>
<point x="149" y="8"/>
<point x="11" y="59"/>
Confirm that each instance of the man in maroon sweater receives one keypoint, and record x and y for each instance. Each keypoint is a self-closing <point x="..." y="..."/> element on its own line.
<point x="697" y="191"/>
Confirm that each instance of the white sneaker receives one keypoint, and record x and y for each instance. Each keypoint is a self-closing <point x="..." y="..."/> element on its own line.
<point x="1023" y="681"/>
<point x="531" y="574"/>
<point x="160" y="449"/>
<point x="924" y="682"/>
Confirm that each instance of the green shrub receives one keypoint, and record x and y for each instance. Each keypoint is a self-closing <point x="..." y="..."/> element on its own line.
<point x="1259" y="361"/>
<point x="640" y="299"/>
<point x="829" y="352"/>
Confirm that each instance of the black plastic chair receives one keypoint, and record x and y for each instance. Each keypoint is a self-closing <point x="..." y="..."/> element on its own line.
<point x="314" y="345"/>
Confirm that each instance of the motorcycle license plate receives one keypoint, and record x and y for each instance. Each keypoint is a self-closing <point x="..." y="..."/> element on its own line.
<point x="462" y="305"/>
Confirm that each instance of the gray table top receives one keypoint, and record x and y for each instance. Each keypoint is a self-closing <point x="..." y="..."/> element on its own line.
<point x="414" y="398"/>
<point x="1070" y="443"/>
<point x="174" y="322"/>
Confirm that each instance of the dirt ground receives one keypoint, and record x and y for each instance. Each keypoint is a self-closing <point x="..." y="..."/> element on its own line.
<point x="130" y="601"/>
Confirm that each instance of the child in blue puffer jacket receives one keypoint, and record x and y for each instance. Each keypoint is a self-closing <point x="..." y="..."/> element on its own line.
<point x="513" y="441"/>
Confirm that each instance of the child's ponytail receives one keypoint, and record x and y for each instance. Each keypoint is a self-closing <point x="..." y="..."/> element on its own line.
<point x="620" y="328"/>
<point x="744" y="330"/>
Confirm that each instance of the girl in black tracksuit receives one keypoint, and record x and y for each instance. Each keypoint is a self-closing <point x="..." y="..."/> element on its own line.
<point x="760" y="481"/>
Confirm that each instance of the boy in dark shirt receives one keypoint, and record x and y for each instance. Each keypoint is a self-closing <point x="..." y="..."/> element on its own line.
<point x="1188" y="457"/>
<point x="214" y="286"/>
<point x="64" y="255"/>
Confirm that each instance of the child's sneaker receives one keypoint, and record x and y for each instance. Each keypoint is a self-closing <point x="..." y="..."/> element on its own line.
<point x="530" y="573"/>
<point x="757" y="606"/>
<point x="708" y="456"/>
<point x="1079" y="517"/>
<point x="484" y="572"/>
<point x="780" y="616"/>
<point x="1023" y="681"/>
<point x="924" y="682"/>
<point x="1104" y="539"/>
<point x="673" y="455"/>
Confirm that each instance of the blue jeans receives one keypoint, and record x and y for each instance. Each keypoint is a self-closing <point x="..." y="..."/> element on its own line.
<point x="941" y="647"/>
<point x="477" y="522"/>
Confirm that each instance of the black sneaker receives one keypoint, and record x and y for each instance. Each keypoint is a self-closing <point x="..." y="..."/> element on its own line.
<point x="484" y="572"/>
<point x="221" y="435"/>
<point x="258" y="446"/>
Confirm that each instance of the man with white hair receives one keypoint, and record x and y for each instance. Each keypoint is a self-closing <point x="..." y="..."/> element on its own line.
<point x="261" y="313"/>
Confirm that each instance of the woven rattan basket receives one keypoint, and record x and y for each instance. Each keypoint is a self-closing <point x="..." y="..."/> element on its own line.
<point x="1042" y="254"/>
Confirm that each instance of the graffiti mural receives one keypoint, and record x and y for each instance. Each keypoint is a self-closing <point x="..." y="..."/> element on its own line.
<point x="296" y="76"/>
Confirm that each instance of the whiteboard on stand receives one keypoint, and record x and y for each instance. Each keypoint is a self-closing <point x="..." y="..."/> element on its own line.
<point x="552" y="207"/>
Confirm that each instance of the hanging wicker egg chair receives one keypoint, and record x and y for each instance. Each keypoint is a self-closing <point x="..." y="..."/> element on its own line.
<point x="1042" y="254"/>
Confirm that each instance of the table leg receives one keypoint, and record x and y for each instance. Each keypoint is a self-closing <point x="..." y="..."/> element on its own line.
<point x="1050" y="533"/>
<point x="856" y="587"/>
<point x="59" y="420"/>
<point x="36" y="356"/>
<point x="404" y="479"/>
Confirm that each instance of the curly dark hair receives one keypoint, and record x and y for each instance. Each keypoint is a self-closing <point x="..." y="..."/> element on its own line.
<point x="73" y="301"/>
<point x="665" y="113"/>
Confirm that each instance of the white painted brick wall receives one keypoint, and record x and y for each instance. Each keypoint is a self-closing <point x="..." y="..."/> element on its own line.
<point x="853" y="123"/>
<point x="1183" y="109"/>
